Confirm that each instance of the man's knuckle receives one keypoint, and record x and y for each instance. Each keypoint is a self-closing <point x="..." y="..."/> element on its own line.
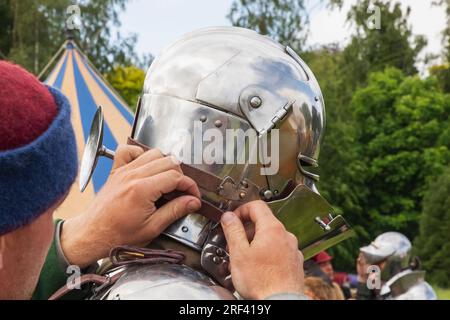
<point x="175" y="174"/>
<point x="133" y="189"/>
<point x="157" y="153"/>
<point x="278" y="227"/>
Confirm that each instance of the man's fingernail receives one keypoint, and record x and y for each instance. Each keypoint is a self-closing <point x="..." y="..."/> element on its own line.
<point x="228" y="217"/>
<point x="193" y="205"/>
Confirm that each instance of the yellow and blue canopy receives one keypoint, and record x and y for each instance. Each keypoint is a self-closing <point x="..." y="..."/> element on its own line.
<point x="86" y="89"/>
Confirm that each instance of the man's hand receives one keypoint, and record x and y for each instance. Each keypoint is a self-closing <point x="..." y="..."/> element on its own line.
<point x="271" y="262"/>
<point x="124" y="211"/>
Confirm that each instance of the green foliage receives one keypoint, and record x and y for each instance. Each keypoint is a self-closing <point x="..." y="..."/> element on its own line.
<point x="433" y="243"/>
<point x="33" y="30"/>
<point x="6" y="18"/>
<point x="128" y="81"/>
<point x="104" y="48"/>
<point x="393" y="45"/>
<point x="442" y="72"/>
<point x="283" y="20"/>
<point x="442" y="294"/>
<point x="31" y="39"/>
<point x="400" y="121"/>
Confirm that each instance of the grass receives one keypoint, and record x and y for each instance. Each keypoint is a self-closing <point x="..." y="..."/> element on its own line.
<point x="443" y="294"/>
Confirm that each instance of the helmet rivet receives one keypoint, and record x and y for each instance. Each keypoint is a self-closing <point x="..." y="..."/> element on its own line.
<point x="255" y="102"/>
<point x="316" y="98"/>
<point x="218" y="123"/>
<point x="244" y="184"/>
<point x="242" y="195"/>
<point x="185" y="229"/>
<point x="203" y="118"/>
<point x="216" y="260"/>
<point x="268" y="194"/>
<point x="220" y="252"/>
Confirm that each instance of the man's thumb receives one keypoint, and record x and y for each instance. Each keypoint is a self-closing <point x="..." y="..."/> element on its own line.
<point x="173" y="211"/>
<point x="234" y="232"/>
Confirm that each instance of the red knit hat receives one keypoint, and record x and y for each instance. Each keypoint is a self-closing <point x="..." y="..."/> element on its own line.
<point x="38" y="155"/>
<point x="24" y="116"/>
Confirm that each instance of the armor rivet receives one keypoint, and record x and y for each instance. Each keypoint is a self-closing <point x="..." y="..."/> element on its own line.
<point x="218" y="123"/>
<point x="244" y="184"/>
<point x="316" y="98"/>
<point x="216" y="260"/>
<point x="220" y="252"/>
<point x="255" y="102"/>
<point x="242" y="195"/>
<point x="185" y="229"/>
<point x="268" y="194"/>
<point x="203" y="118"/>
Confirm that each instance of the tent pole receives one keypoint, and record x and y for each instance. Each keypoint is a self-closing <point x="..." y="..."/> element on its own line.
<point x="52" y="60"/>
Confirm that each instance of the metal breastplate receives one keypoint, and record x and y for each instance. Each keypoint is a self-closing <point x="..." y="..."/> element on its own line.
<point x="408" y="285"/>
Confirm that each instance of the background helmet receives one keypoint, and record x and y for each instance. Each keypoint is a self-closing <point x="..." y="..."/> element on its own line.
<point x="393" y="248"/>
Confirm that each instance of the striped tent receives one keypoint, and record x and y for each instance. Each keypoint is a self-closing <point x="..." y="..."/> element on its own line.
<point x="86" y="89"/>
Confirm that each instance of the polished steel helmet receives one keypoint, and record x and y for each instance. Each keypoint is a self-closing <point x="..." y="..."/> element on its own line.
<point x="391" y="247"/>
<point x="219" y="98"/>
<point x="245" y="115"/>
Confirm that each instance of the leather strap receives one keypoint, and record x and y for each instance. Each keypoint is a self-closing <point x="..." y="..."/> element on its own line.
<point x="85" y="279"/>
<point x="126" y="255"/>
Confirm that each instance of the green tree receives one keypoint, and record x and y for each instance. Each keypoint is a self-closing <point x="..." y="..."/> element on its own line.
<point x="442" y="72"/>
<point x="128" y="81"/>
<point x="372" y="49"/>
<point x="106" y="50"/>
<point x="33" y="30"/>
<point x="6" y="19"/>
<point x="433" y="243"/>
<point x="284" y="20"/>
<point x="401" y="122"/>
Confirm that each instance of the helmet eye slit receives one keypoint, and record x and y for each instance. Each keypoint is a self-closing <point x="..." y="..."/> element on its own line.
<point x="305" y="161"/>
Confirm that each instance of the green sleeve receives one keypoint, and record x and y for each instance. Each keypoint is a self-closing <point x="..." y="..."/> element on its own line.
<point x="53" y="275"/>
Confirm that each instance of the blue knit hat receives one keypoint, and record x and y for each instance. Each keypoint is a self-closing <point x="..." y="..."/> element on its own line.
<point x="36" y="175"/>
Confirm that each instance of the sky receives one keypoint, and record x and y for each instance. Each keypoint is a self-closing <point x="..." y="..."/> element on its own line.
<point x="160" y="22"/>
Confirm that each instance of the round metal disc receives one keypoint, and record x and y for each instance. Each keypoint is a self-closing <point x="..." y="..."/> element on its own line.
<point x="91" y="149"/>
